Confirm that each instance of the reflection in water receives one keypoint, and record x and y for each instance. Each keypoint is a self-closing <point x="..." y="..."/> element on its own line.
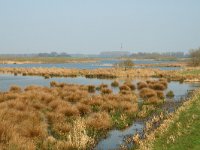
<point x="116" y="137"/>
<point x="7" y="80"/>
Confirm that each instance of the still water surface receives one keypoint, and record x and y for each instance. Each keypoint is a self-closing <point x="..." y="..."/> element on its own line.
<point x="90" y="65"/>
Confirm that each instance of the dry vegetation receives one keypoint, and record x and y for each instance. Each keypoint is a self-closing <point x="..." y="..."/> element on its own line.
<point x="64" y="116"/>
<point x="95" y="73"/>
<point x="68" y="116"/>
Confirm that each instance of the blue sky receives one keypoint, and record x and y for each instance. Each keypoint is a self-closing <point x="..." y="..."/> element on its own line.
<point x="91" y="26"/>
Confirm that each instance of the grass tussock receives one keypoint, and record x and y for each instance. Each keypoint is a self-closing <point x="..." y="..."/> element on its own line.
<point x="141" y="85"/>
<point x="170" y="94"/>
<point x="99" y="121"/>
<point x="41" y="117"/>
<point x="124" y="88"/>
<point x="106" y="91"/>
<point x="115" y="84"/>
<point x="91" y="88"/>
<point x="15" y="89"/>
<point x="147" y="93"/>
<point x="130" y="85"/>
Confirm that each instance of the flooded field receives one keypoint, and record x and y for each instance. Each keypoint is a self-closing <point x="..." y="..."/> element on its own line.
<point x="115" y="137"/>
<point x="7" y="80"/>
<point x="91" y="65"/>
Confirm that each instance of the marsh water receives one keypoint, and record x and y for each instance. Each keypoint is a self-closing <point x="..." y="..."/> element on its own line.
<point x="92" y="65"/>
<point x="115" y="137"/>
<point x="7" y="80"/>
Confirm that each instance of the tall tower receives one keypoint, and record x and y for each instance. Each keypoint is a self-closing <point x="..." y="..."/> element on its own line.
<point x="121" y="48"/>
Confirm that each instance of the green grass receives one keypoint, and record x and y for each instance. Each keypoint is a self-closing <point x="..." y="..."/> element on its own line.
<point x="191" y="72"/>
<point x="184" y="132"/>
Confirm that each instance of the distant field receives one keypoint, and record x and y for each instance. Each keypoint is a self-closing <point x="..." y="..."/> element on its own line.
<point x="191" y="72"/>
<point x="44" y="59"/>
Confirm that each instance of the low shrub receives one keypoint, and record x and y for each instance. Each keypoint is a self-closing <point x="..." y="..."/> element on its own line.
<point x="170" y="94"/>
<point x="115" y="84"/>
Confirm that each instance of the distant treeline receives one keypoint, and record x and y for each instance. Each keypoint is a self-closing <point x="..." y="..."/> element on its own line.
<point x="53" y="54"/>
<point x="155" y="55"/>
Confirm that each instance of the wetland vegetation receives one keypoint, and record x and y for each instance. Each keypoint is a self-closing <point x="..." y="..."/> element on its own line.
<point x="78" y="116"/>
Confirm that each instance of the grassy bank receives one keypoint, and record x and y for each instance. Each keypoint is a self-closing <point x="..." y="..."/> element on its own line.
<point x="180" y="131"/>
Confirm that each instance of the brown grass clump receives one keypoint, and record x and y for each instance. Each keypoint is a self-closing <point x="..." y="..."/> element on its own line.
<point x="94" y="101"/>
<point x="110" y="105"/>
<point x="164" y="83"/>
<point x="75" y="96"/>
<point x="124" y="92"/>
<point x="99" y="121"/>
<point x="160" y="94"/>
<point x="56" y="103"/>
<point x="103" y="85"/>
<point x="32" y="88"/>
<point x="158" y="86"/>
<point x="124" y="88"/>
<point x="91" y="88"/>
<point x="130" y="85"/>
<point x="129" y="107"/>
<point x="53" y="84"/>
<point x="83" y="109"/>
<point x="153" y="99"/>
<point x="115" y="84"/>
<point x="15" y="88"/>
<point x="147" y="93"/>
<point x="141" y="85"/>
<point x="106" y="91"/>
<point x="68" y="110"/>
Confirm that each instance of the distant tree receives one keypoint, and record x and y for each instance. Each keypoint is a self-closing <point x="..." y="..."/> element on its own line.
<point x="126" y="64"/>
<point x="195" y="57"/>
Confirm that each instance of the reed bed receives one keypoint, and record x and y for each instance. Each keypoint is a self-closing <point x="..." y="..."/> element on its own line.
<point x="94" y="73"/>
<point x="64" y="116"/>
<point x="186" y="74"/>
<point x="71" y="116"/>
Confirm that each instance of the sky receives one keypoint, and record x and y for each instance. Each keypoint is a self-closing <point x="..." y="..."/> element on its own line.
<point x="92" y="26"/>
